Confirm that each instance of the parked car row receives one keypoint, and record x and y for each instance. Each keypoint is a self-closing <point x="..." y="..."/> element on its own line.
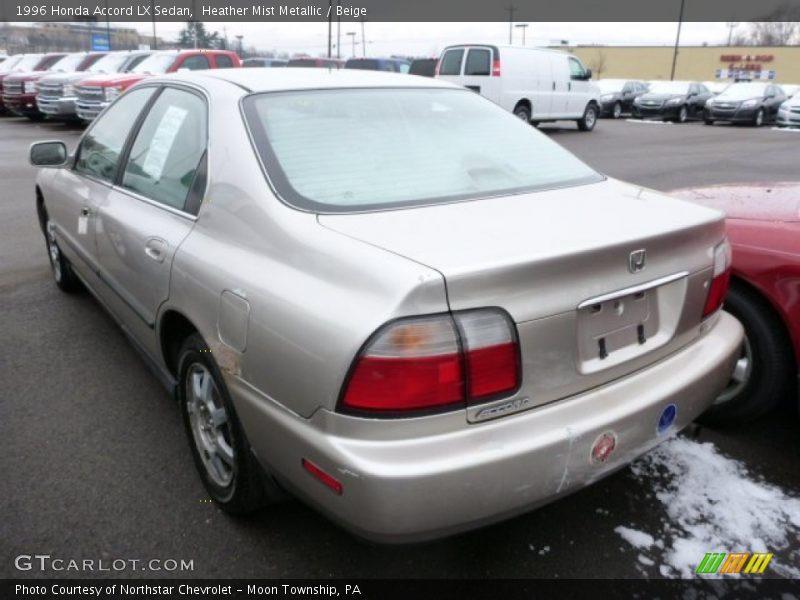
<point x="80" y="85"/>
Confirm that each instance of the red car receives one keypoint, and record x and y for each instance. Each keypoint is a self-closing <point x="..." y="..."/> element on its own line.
<point x="30" y="63"/>
<point x="95" y="93"/>
<point x="764" y="230"/>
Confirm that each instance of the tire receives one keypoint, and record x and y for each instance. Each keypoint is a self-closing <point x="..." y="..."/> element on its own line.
<point x="35" y="117"/>
<point x="523" y="113"/>
<point x="65" y="278"/>
<point x="683" y="114"/>
<point x="589" y="119"/>
<point x="758" y="120"/>
<point x="616" y="112"/>
<point x="221" y="452"/>
<point x="708" y="121"/>
<point x="764" y="373"/>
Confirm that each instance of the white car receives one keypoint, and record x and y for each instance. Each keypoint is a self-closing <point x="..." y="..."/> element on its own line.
<point x="789" y="112"/>
<point x="537" y="85"/>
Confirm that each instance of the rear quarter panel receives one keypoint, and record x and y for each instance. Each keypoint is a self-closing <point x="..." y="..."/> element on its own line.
<point x="766" y="254"/>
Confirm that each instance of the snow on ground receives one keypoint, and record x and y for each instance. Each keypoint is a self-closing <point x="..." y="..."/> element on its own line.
<point x="712" y="504"/>
<point x="787" y="129"/>
<point x="649" y="121"/>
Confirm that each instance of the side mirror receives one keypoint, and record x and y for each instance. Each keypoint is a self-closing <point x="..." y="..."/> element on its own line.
<point x="48" y="154"/>
<point x="587" y="74"/>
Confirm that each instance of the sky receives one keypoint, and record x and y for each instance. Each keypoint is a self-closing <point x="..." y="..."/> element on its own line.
<point x="427" y="39"/>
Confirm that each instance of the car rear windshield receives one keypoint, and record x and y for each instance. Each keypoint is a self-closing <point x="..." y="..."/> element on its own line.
<point x="366" y="64"/>
<point x="364" y="149"/>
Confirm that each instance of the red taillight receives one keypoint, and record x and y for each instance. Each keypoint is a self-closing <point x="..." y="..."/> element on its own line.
<point x="496" y="68"/>
<point x="322" y="476"/>
<point x="720" y="279"/>
<point x="435" y="363"/>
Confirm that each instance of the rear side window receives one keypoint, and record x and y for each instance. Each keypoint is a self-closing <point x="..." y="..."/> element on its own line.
<point x="168" y="148"/>
<point x="135" y="62"/>
<point x="99" y="153"/>
<point x="195" y="63"/>
<point x="451" y="62"/>
<point x="479" y="62"/>
<point x="224" y="61"/>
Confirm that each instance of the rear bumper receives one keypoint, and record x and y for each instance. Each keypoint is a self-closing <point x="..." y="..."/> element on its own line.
<point x="423" y="478"/>
<point x="56" y="107"/>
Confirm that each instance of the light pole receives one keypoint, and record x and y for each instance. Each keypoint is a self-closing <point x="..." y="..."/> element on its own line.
<point x="241" y="48"/>
<point x="731" y="26"/>
<point x="153" y="12"/>
<point x="338" y="31"/>
<point x="352" y="35"/>
<point x="108" y="27"/>
<point x="363" y="40"/>
<point x="522" y="26"/>
<point x="510" y="10"/>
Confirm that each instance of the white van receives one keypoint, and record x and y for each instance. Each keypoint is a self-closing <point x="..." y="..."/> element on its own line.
<point x="535" y="84"/>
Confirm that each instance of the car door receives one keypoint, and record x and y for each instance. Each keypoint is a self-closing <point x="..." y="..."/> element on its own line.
<point x="478" y="73"/>
<point x="628" y="94"/>
<point x="774" y="98"/>
<point x="81" y="189"/>
<point x="151" y="209"/>
<point x="579" y="88"/>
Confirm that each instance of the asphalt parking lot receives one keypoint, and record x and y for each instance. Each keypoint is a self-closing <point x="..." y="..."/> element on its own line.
<point x="97" y="465"/>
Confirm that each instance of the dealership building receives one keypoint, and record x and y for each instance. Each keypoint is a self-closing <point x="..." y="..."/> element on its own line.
<point x="696" y="63"/>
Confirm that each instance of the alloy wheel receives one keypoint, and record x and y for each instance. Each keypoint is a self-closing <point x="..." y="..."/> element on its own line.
<point x="210" y="425"/>
<point x="740" y="376"/>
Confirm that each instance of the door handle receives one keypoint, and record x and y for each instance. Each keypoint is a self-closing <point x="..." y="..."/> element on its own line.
<point x="156" y="248"/>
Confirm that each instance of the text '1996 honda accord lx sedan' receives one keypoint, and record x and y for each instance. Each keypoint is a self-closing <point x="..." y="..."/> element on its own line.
<point x="387" y="295"/>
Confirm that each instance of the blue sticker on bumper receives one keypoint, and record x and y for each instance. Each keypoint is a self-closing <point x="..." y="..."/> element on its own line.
<point x="667" y="418"/>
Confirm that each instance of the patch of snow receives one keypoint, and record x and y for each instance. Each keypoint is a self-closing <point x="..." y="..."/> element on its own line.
<point x="786" y="129"/>
<point x="544" y="550"/>
<point x="637" y="539"/>
<point x="713" y="505"/>
<point x="645" y="560"/>
<point x="649" y="121"/>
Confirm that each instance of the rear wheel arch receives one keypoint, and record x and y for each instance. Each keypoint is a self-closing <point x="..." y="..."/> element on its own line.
<point x="766" y="304"/>
<point x="521" y="105"/>
<point x="174" y="328"/>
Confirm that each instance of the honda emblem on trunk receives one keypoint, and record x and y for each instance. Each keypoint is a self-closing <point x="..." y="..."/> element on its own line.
<point x="637" y="260"/>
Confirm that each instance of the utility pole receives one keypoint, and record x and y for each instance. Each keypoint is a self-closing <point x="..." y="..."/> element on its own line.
<point x="731" y="26"/>
<point x="510" y="10"/>
<point x="363" y="40"/>
<point x="153" y="13"/>
<point x="352" y="35"/>
<point x="330" y="26"/>
<point x="108" y="27"/>
<point x="338" y="30"/>
<point x="677" y="42"/>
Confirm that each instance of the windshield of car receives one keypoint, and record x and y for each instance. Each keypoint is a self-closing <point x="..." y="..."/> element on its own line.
<point x="669" y="87"/>
<point x="359" y="149"/>
<point x="28" y="62"/>
<point x="10" y="64"/>
<point x="742" y="91"/>
<point x="69" y="63"/>
<point x="609" y="86"/>
<point x="155" y="64"/>
<point x="110" y="63"/>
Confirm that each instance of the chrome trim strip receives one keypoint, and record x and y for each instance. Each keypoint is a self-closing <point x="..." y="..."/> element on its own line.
<point x="642" y="287"/>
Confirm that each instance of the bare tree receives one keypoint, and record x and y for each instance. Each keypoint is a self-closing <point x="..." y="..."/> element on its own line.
<point x="599" y="63"/>
<point x="777" y="29"/>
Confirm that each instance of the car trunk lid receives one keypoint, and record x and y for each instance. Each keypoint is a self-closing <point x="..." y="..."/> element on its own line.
<point x="601" y="279"/>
